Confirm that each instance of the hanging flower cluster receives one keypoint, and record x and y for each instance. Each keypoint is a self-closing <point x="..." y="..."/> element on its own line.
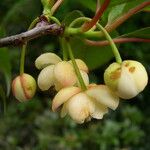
<point x="125" y="80"/>
<point x="76" y="96"/>
<point x="80" y="105"/>
<point x="122" y="81"/>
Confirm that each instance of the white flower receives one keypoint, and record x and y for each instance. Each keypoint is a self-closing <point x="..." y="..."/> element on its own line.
<point x="84" y="105"/>
<point x="58" y="73"/>
<point x="127" y="80"/>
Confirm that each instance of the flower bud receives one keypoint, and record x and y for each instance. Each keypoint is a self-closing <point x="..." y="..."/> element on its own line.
<point x="46" y="78"/>
<point x="47" y="59"/>
<point x="24" y="87"/>
<point x="64" y="74"/>
<point x="127" y="80"/>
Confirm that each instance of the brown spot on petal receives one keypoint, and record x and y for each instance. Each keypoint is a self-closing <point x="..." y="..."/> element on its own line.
<point x="127" y="64"/>
<point x="115" y="75"/>
<point x="118" y="69"/>
<point x="131" y="69"/>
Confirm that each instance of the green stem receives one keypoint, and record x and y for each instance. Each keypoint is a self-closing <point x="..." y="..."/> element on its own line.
<point x="88" y="34"/>
<point x="77" y="71"/>
<point x="22" y="60"/>
<point x="77" y="31"/>
<point x="23" y="51"/>
<point x="112" y="44"/>
<point x="54" y="19"/>
<point x="78" y="20"/>
<point x="63" y="46"/>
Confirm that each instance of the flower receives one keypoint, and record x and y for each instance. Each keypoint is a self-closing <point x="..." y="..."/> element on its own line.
<point x="127" y="79"/>
<point x="58" y="73"/>
<point x="24" y="87"/>
<point x="84" y="105"/>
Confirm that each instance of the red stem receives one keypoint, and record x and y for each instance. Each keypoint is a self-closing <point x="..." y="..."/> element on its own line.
<point x="119" y="21"/>
<point x="88" y="25"/>
<point x="117" y="40"/>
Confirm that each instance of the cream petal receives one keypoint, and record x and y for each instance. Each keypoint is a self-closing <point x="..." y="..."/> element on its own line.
<point x="97" y="110"/>
<point x="63" y="95"/>
<point x="47" y="59"/>
<point x="92" y="85"/>
<point x="127" y="88"/>
<point x="18" y="91"/>
<point x="63" y="111"/>
<point x="104" y="96"/>
<point x="57" y="85"/>
<point x="137" y="70"/>
<point x="64" y="74"/>
<point x="46" y="78"/>
<point x="78" y="107"/>
<point x="112" y="75"/>
<point x="81" y="64"/>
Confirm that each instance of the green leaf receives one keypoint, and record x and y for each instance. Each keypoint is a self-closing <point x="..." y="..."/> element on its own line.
<point x="119" y="10"/>
<point x="94" y="57"/>
<point x="90" y="4"/>
<point x="142" y="33"/>
<point x="72" y="16"/>
<point x="5" y="65"/>
<point x="118" y="2"/>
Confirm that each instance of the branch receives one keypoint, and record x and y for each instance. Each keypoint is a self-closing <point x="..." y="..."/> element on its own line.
<point x="119" y="21"/>
<point x="36" y="32"/>
<point x="99" y="13"/>
<point x="117" y="40"/>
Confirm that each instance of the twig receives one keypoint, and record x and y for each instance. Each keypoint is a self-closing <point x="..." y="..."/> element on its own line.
<point x="56" y="5"/>
<point x="117" y="40"/>
<point x="20" y="39"/>
<point x="99" y="13"/>
<point x="119" y="21"/>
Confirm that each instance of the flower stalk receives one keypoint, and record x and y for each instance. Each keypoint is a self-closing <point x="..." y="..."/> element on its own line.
<point x="77" y="71"/>
<point x="24" y="47"/>
<point x="112" y="44"/>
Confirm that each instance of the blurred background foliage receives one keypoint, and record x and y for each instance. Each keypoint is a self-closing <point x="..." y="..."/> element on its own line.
<point x="32" y="125"/>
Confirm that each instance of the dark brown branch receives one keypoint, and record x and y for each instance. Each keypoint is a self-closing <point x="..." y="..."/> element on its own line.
<point x="20" y="39"/>
<point x="88" y="25"/>
<point x="117" y="40"/>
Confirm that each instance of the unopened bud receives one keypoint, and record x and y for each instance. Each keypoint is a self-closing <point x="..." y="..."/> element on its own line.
<point x="127" y="79"/>
<point x="47" y="59"/>
<point x="24" y="87"/>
